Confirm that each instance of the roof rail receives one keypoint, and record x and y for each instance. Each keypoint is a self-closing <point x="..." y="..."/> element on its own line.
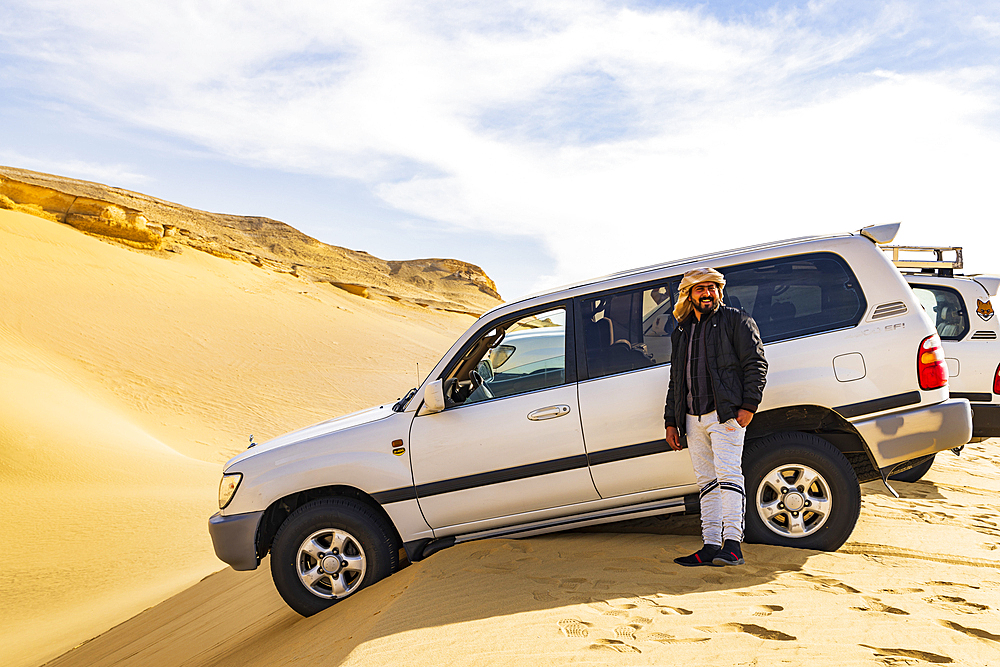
<point x="925" y="257"/>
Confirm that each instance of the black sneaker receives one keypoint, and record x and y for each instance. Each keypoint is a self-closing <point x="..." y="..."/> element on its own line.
<point x="703" y="556"/>
<point x="729" y="554"/>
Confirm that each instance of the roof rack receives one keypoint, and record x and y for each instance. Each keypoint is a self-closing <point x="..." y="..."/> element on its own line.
<point x="927" y="258"/>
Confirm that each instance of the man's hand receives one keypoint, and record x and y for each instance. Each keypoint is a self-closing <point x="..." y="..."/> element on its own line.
<point x="743" y="417"/>
<point x="672" y="438"/>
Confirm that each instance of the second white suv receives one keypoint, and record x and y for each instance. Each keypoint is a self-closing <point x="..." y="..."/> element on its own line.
<point x="962" y="310"/>
<point x="547" y="414"/>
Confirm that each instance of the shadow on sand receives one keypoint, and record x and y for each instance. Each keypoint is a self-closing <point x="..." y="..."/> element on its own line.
<point x="237" y="618"/>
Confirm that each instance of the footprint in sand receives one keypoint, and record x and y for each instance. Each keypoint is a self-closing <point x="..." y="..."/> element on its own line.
<point x="648" y="602"/>
<point x="664" y="638"/>
<point x="971" y="632"/>
<point x="574" y="627"/>
<point x="543" y="596"/>
<point x="628" y="631"/>
<point x="888" y="655"/>
<point x="750" y="629"/>
<point x="572" y="584"/>
<point x="758" y="592"/>
<point x="607" y="609"/>
<point x="874" y="604"/>
<point x="900" y="591"/>
<point x="482" y="553"/>
<point x="767" y="609"/>
<point x="824" y="584"/>
<point x="958" y="604"/>
<point x="951" y="583"/>
<point x="675" y="611"/>
<point x="614" y="645"/>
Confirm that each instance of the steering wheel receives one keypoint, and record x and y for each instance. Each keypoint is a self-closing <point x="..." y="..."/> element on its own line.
<point x="476" y="379"/>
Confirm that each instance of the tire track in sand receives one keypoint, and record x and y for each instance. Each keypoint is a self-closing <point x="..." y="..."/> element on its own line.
<point x="864" y="549"/>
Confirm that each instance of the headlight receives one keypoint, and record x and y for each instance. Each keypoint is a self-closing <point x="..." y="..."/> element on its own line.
<point x="227" y="488"/>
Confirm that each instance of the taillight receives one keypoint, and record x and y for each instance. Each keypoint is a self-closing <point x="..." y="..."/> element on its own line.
<point x="932" y="372"/>
<point x="996" y="381"/>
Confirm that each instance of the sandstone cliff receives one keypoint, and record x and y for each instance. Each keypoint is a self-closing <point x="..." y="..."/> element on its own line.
<point x="154" y="225"/>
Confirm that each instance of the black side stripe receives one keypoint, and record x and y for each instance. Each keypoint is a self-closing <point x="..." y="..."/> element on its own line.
<point x="395" y="495"/>
<point x="522" y="472"/>
<point x="629" y="452"/>
<point x="500" y="476"/>
<point x="879" y="404"/>
<point x="974" y="397"/>
<point x="708" y="488"/>
<point x="481" y="479"/>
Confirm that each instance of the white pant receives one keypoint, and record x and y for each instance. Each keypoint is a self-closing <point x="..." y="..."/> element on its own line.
<point x="717" y="455"/>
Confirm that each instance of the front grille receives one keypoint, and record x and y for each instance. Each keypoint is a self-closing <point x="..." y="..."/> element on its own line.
<point x="889" y="310"/>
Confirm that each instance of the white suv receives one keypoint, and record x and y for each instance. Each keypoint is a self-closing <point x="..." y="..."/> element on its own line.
<point x="960" y="306"/>
<point x="547" y="414"/>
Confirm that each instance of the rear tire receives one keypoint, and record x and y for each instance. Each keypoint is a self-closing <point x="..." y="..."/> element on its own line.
<point x="914" y="473"/>
<point x="329" y="549"/>
<point x="801" y="492"/>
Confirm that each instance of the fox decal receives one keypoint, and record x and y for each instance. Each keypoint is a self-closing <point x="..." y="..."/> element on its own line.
<point x="985" y="310"/>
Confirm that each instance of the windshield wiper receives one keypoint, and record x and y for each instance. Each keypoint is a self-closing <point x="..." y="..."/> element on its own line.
<point x="401" y="403"/>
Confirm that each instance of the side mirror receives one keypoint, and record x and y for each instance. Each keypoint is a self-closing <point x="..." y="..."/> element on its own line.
<point x="434" y="397"/>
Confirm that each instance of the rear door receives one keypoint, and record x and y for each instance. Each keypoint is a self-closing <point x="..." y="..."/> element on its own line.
<point x="626" y="353"/>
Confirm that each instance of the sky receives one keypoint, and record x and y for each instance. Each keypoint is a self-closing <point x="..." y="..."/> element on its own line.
<point x="547" y="142"/>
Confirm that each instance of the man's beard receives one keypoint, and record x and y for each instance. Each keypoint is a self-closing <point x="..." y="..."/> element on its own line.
<point x="705" y="306"/>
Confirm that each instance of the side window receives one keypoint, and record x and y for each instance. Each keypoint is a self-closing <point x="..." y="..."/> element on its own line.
<point x="945" y="308"/>
<point x="525" y="355"/>
<point x="796" y="296"/>
<point x="627" y="331"/>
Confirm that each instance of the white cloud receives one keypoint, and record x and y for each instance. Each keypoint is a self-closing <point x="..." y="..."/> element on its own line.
<point x="618" y="136"/>
<point x="110" y="174"/>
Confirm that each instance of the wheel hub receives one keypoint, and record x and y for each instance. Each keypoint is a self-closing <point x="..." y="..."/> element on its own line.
<point x="331" y="564"/>
<point x="794" y="501"/>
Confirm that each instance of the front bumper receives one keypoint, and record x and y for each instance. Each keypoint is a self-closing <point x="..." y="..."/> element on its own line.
<point x="986" y="420"/>
<point x="912" y="434"/>
<point x="235" y="539"/>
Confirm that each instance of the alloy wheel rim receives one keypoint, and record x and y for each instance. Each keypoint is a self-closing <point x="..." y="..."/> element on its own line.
<point x="794" y="500"/>
<point x="331" y="563"/>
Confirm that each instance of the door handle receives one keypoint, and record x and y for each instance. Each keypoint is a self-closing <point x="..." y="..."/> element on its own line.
<point x="550" y="412"/>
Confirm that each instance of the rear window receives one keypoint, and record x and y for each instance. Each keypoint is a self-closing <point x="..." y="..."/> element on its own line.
<point x="796" y="296"/>
<point x="945" y="307"/>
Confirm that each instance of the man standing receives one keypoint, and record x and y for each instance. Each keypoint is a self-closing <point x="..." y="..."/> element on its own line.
<point x="717" y="378"/>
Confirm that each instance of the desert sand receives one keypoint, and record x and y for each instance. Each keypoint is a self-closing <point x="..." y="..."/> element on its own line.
<point x="128" y="375"/>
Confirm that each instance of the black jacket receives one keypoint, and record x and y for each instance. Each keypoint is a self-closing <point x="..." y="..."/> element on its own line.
<point x="736" y="365"/>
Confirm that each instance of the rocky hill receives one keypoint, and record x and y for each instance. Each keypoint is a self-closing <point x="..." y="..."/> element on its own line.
<point x="154" y="225"/>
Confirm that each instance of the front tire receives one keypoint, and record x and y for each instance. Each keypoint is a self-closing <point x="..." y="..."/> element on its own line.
<point x="801" y="492"/>
<point x="329" y="549"/>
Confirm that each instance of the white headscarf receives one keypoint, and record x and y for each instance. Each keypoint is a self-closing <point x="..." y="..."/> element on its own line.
<point x="683" y="307"/>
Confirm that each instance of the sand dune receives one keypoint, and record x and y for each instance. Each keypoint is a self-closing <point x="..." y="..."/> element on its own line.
<point x="128" y="376"/>
<point x="126" y="379"/>
<point x="140" y="221"/>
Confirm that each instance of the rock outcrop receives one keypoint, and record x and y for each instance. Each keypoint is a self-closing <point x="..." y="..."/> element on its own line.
<point x="150" y="224"/>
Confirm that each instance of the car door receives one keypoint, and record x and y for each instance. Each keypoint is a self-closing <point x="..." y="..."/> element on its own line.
<point x="626" y="351"/>
<point x="515" y="445"/>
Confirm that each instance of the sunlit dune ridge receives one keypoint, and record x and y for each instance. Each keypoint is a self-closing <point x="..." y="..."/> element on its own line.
<point x="126" y="378"/>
